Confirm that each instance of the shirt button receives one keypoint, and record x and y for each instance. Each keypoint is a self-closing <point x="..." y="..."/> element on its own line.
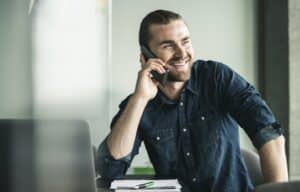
<point x="194" y="179"/>
<point x="202" y="118"/>
<point x="184" y="129"/>
<point x="188" y="154"/>
<point x="181" y="103"/>
<point x="157" y="138"/>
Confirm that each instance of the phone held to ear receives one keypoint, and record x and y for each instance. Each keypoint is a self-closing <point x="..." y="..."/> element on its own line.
<point x="161" y="78"/>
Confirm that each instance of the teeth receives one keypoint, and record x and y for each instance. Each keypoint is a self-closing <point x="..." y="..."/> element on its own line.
<point x="178" y="63"/>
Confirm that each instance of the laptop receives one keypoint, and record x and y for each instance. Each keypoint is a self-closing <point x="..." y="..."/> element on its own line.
<point x="46" y="156"/>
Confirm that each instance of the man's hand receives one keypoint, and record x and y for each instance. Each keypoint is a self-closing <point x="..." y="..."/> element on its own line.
<point x="146" y="87"/>
<point x="273" y="160"/>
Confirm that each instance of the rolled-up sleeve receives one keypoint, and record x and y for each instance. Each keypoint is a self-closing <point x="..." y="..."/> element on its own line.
<point x="107" y="166"/>
<point x="246" y="106"/>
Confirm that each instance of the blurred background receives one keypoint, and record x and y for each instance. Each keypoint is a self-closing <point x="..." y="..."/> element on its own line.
<point x="73" y="59"/>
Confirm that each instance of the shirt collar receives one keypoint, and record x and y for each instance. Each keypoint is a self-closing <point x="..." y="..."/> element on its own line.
<point x="165" y="100"/>
<point x="190" y="87"/>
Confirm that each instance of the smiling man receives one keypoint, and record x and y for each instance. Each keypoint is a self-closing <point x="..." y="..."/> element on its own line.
<point x="190" y="124"/>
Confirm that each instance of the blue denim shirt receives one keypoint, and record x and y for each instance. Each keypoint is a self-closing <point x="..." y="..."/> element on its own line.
<point x="195" y="138"/>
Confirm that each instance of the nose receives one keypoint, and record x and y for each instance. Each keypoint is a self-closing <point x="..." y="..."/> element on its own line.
<point x="180" y="52"/>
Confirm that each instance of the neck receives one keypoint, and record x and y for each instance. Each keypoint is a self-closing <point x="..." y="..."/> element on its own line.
<point x="172" y="89"/>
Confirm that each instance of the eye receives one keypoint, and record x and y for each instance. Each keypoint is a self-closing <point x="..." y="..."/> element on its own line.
<point x="167" y="46"/>
<point x="186" y="43"/>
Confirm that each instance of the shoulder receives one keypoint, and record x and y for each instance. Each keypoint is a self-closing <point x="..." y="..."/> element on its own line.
<point x="200" y="65"/>
<point x="207" y="69"/>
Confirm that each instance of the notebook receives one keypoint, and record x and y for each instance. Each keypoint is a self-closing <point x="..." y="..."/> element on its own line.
<point x="163" y="185"/>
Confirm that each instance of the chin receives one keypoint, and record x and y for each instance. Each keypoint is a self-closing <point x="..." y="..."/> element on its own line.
<point x="179" y="77"/>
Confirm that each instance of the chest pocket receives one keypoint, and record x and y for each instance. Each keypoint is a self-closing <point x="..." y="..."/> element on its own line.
<point x="205" y="135"/>
<point x="205" y="130"/>
<point x="162" y="143"/>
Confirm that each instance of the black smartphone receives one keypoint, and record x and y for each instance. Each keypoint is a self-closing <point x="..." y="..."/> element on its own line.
<point x="162" y="78"/>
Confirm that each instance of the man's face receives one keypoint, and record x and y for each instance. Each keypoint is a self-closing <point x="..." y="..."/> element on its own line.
<point x="172" y="44"/>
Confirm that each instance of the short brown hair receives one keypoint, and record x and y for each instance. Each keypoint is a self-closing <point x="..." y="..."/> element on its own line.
<point x="155" y="17"/>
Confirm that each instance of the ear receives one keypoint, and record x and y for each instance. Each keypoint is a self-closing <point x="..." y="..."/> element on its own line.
<point x="142" y="60"/>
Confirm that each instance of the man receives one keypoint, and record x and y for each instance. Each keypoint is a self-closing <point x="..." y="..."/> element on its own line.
<point x="190" y="124"/>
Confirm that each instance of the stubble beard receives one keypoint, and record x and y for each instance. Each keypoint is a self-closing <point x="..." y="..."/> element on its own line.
<point x="180" y="76"/>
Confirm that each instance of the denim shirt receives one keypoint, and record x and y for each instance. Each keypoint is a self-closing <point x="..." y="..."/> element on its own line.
<point x="195" y="138"/>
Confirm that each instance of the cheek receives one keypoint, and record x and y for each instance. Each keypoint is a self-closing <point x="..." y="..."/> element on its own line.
<point x="191" y="51"/>
<point x="167" y="57"/>
<point x="164" y="55"/>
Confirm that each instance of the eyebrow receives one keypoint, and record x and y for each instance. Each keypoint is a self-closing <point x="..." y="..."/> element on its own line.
<point x="186" y="38"/>
<point x="170" y="41"/>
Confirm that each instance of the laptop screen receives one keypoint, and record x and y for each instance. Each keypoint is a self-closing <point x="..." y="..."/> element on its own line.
<point x="47" y="155"/>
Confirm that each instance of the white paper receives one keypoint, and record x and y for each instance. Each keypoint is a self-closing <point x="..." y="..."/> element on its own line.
<point x="157" y="183"/>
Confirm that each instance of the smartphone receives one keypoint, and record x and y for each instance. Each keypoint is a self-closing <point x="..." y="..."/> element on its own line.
<point x="161" y="78"/>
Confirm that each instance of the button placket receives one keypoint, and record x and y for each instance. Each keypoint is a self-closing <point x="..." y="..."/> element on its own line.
<point x="185" y="137"/>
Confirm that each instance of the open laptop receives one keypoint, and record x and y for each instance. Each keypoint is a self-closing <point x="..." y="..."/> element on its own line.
<point x="46" y="156"/>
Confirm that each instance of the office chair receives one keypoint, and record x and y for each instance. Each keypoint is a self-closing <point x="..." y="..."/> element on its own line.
<point x="291" y="186"/>
<point x="253" y="165"/>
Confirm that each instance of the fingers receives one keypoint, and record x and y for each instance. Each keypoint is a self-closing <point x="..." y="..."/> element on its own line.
<point x="147" y="72"/>
<point x="153" y="64"/>
<point x="156" y="67"/>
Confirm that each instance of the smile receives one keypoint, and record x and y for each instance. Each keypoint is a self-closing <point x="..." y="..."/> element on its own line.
<point x="180" y="63"/>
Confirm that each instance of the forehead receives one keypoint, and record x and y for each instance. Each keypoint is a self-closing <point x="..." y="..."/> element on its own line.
<point x="175" y="30"/>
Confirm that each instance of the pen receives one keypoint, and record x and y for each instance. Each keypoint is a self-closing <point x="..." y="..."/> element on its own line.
<point x="163" y="187"/>
<point x="144" y="185"/>
<point x="150" y="188"/>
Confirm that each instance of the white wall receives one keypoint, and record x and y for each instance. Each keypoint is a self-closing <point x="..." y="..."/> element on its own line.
<point x="220" y="30"/>
<point x="54" y="62"/>
<point x="15" y="60"/>
<point x="70" y="62"/>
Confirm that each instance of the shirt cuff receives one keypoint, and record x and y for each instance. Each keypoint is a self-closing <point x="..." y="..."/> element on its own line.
<point x="108" y="167"/>
<point x="266" y="134"/>
<point x="107" y="157"/>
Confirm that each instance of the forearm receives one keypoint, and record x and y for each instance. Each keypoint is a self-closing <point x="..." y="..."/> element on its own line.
<point x="121" y="139"/>
<point x="273" y="160"/>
